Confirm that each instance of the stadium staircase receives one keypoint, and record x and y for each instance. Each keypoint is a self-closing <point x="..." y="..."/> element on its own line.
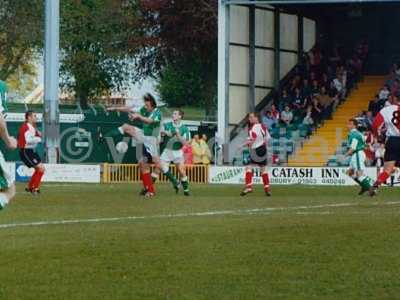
<point x="328" y="139"/>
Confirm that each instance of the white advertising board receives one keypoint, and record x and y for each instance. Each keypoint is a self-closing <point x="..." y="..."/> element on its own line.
<point x="64" y="173"/>
<point x="287" y="176"/>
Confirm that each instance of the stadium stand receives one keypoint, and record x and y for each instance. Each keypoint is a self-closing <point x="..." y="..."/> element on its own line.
<point x="317" y="88"/>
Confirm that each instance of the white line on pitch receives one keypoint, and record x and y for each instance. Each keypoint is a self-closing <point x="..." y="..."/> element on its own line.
<point x="252" y="211"/>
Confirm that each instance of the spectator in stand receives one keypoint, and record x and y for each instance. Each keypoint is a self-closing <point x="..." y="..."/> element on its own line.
<point x="298" y="102"/>
<point x="275" y="112"/>
<point x="285" y="100"/>
<point x="312" y="77"/>
<point x="375" y="105"/>
<point x="337" y="84"/>
<point x="206" y="149"/>
<point x="306" y="88"/>
<point x="314" y="88"/>
<point x="368" y="119"/>
<point x="316" y="112"/>
<point x="391" y="100"/>
<point x="325" y="103"/>
<point x="268" y="120"/>
<point x="287" y="116"/>
<point x="200" y="155"/>
<point x="395" y="87"/>
<point x="308" y="120"/>
<point x="335" y="59"/>
<point x="325" y="81"/>
<point x="384" y="93"/>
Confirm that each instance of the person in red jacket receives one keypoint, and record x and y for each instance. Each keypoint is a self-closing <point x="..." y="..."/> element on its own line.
<point x="28" y="138"/>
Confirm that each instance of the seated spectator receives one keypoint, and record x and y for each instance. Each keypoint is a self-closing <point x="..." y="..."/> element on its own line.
<point x="384" y="93"/>
<point x="306" y="89"/>
<point x="325" y="81"/>
<point x="316" y="112"/>
<point x="284" y="100"/>
<point x="337" y="84"/>
<point x="268" y="120"/>
<point x="315" y="88"/>
<point x="286" y="116"/>
<point x="275" y="113"/>
<point x="326" y="103"/>
<point x="308" y="120"/>
<point x="298" y="102"/>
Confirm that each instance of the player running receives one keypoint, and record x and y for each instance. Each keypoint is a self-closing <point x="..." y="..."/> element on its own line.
<point x="28" y="138"/>
<point x="146" y="132"/>
<point x="176" y="135"/>
<point x="7" y="187"/>
<point x="389" y="117"/>
<point x="257" y="143"/>
<point x="357" y="145"/>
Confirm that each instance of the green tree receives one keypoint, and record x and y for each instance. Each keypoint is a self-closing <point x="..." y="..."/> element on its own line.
<point x="21" y="35"/>
<point x="179" y="32"/>
<point x="98" y="41"/>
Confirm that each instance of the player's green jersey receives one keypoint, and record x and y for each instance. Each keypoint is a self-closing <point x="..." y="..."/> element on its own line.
<point x="152" y="129"/>
<point x="171" y="141"/>
<point x="356" y="140"/>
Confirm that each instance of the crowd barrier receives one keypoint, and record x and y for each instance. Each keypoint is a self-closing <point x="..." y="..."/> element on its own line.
<point x="126" y="173"/>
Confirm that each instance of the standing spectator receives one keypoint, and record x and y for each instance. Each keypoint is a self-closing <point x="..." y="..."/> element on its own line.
<point x="205" y="150"/>
<point x="268" y="120"/>
<point x="374" y="105"/>
<point x="200" y="153"/>
<point x="287" y="116"/>
<point x="337" y="84"/>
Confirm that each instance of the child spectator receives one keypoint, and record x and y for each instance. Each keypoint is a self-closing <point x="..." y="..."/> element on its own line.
<point x="268" y="120"/>
<point x="287" y="116"/>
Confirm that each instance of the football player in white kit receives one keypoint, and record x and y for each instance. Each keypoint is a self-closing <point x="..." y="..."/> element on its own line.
<point x="389" y="118"/>
<point x="257" y="143"/>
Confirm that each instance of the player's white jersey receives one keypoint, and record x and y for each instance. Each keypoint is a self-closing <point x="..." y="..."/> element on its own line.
<point x="258" y="133"/>
<point x="390" y="117"/>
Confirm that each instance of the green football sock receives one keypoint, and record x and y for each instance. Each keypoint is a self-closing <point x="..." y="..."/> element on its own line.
<point x="171" y="178"/>
<point x="185" y="184"/>
<point x="365" y="182"/>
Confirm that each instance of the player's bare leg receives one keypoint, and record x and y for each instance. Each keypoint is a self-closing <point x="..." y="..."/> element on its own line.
<point x="184" y="179"/>
<point x="248" y="181"/>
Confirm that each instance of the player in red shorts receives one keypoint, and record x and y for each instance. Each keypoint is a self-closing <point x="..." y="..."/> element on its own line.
<point x="389" y="117"/>
<point x="257" y="143"/>
<point x="28" y="138"/>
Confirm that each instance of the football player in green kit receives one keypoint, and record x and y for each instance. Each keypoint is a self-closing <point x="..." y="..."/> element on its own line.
<point x="145" y="128"/>
<point x="357" y="145"/>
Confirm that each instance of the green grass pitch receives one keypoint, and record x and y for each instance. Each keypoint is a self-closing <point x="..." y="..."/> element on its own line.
<point x="303" y="243"/>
